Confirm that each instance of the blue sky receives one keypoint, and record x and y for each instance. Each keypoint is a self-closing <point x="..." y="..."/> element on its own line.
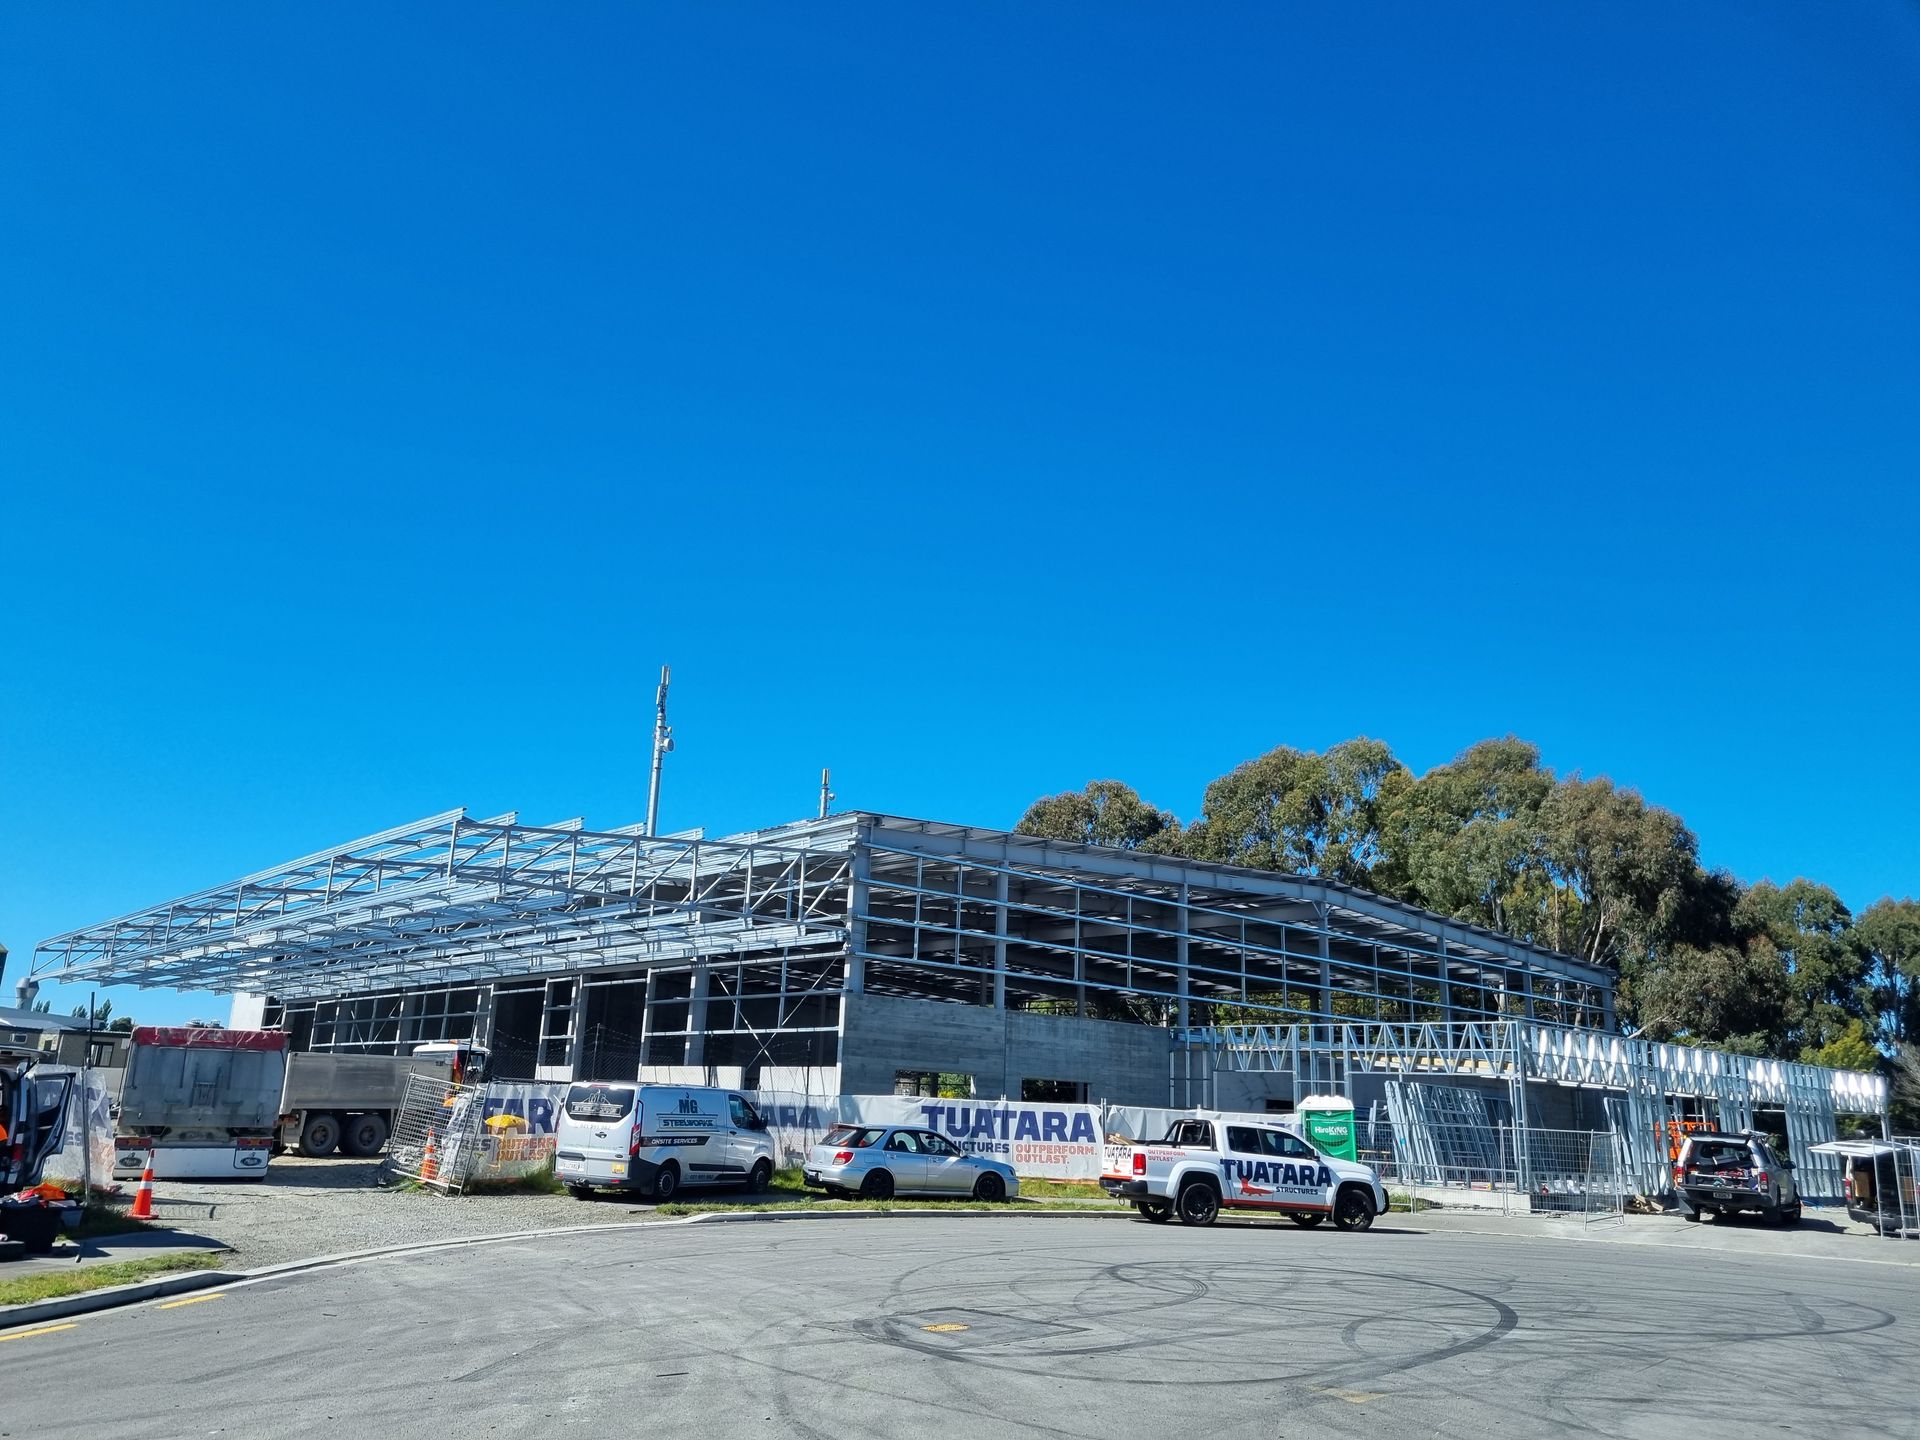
<point x="979" y="400"/>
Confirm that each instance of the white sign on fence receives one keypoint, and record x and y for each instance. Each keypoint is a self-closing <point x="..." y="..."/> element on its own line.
<point x="1041" y="1140"/>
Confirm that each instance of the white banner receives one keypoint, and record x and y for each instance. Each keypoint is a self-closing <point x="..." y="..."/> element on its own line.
<point x="1040" y="1140"/>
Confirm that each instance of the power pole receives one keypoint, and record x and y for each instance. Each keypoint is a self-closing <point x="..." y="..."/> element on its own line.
<point x="662" y="743"/>
<point x="826" y="794"/>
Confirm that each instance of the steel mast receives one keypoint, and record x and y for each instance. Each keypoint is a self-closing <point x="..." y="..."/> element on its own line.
<point x="662" y="743"/>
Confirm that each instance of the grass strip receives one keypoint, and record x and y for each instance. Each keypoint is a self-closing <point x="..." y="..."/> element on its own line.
<point x="78" y="1279"/>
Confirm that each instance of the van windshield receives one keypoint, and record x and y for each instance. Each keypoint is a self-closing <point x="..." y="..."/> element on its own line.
<point x="599" y="1102"/>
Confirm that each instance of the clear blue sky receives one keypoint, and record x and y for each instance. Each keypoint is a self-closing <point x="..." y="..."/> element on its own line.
<point x="978" y="399"/>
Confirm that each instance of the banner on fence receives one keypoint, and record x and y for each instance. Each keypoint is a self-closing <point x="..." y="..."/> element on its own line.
<point x="1039" y="1139"/>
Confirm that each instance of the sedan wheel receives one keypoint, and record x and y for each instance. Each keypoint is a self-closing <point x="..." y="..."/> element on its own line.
<point x="990" y="1187"/>
<point x="877" y="1186"/>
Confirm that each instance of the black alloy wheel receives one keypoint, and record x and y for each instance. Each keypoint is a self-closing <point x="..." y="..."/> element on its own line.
<point x="1199" y="1203"/>
<point x="1353" y="1209"/>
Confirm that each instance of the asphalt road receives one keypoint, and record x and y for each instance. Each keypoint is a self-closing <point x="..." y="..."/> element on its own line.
<point x="915" y="1326"/>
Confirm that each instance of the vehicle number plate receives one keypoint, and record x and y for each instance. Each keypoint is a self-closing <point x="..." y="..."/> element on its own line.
<point x="619" y="1167"/>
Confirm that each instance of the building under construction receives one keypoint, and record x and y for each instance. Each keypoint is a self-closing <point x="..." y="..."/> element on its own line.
<point x="867" y="953"/>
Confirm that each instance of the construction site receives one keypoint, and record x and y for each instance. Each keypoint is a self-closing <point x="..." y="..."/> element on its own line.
<point x="870" y="954"/>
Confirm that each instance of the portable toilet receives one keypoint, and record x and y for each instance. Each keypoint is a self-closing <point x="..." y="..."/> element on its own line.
<point x="1328" y="1124"/>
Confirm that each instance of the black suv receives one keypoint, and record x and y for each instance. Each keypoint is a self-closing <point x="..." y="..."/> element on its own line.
<point x="1719" y="1174"/>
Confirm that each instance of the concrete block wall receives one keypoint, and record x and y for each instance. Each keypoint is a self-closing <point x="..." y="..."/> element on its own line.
<point x="1120" y="1063"/>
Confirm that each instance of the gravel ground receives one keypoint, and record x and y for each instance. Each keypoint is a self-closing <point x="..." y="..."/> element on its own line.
<point x="324" y="1207"/>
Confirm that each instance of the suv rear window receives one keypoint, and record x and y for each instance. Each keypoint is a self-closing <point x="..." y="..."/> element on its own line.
<point x="599" y="1102"/>
<point x="853" y="1137"/>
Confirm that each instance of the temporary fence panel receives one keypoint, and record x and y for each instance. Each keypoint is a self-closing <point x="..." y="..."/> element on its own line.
<point x="437" y="1132"/>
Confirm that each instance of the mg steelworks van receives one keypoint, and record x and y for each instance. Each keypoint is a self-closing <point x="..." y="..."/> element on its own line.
<point x="656" y="1138"/>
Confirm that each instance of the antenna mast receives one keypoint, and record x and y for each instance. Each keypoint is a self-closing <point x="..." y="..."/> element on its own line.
<point x="826" y="794"/>
<point x="662" y="743"/>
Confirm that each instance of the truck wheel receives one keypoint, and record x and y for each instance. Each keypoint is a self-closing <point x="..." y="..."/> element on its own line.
<point x="1199" y="1203"/>
<point x="320" y="1137"/>
<point x="877" y="1186"/>
<point x="1353" y="1209"/>
<point x="666" y="1181"/>
<point x="364" y="1136"/>
<point x="760" y="1177"/>
<point x="1306" y="1220"/>
<point x="1157" y="1212"/>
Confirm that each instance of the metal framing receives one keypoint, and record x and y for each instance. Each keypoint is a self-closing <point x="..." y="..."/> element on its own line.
<point x="914" y="909"/>
<point x="1658" y="1082"/>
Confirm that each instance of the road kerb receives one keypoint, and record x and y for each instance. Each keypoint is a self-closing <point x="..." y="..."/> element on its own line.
<point x="112" y="1297"/>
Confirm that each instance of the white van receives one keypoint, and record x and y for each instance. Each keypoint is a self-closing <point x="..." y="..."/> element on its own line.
<point x="656" y="1138"/>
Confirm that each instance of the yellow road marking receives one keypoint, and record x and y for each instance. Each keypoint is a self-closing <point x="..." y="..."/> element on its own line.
<point x="946" y="1327"/>
<point x="1352" y="1397"/>
<point x="190" y="1300"/>
<point x="29" y="1334"/>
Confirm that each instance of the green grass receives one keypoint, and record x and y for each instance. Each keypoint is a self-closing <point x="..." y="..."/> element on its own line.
<point x="78" y="1279"/>
<point x="540" y="1182"/>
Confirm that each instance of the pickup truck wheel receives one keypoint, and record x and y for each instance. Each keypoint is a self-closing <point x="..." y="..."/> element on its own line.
<point x="990" y="1187"/>
<point x="877" y="1186"/>
<point x="364" y="1136"/>
<point x="1353" y="1209"/>
<point x="1199" y="1203"/>
<point x="1159" y="1212"/>
<point x="321" y="1137"/>
<point x="1307" y="1220"/>
<point x="760" y="1177"/>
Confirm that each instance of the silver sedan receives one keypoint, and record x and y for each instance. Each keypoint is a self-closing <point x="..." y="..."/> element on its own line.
<point x="876" y="1161"/>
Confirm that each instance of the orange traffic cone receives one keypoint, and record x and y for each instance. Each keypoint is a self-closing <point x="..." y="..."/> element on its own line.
<point x="430" y="1161"/>
<point x="143" y="1197"/>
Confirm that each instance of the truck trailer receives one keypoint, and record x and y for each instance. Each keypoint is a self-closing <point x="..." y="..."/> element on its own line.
<point x="203" y="1103"/>
<point x="346" y="1103"/>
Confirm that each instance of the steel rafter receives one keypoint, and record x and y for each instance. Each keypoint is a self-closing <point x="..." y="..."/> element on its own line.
<point x="453" y="898"/>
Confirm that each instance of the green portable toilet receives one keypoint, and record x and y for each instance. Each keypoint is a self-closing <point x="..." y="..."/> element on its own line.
<point x="1327" y="1122"/>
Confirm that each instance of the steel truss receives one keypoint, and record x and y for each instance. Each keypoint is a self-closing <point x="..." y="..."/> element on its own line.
<point x="1659" y="1082"/>
<point x="452" y="900"/>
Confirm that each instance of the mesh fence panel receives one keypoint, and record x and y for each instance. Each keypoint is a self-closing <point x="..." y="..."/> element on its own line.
<point x="437" y="1133"/>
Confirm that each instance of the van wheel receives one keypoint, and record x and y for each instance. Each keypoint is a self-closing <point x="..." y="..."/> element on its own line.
<point x="991" y="1188"/>
<point x="580" y="1192"/>
<point x="1199" y="1203"/>
<point x="759" y="1177"/>
<point x="321" y="1137"/>
<point x="1157" y="1212"/>
<point x="666" y="1181"/>
<point x="1307" y="1220"/>
<point x="1353" y="1209"/>
<point x="364" y="1136"/>
<point x="877" y="1186"/>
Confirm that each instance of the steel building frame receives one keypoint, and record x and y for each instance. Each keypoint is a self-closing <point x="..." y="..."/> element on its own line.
<point x="908" y="908"/>
<point x="1658" y="1082"/>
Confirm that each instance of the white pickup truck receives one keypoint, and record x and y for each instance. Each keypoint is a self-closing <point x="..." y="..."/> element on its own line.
<point x="1212" y="1163"/>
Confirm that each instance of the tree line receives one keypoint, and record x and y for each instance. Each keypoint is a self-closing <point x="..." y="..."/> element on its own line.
<point x="1581" y="866"/>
